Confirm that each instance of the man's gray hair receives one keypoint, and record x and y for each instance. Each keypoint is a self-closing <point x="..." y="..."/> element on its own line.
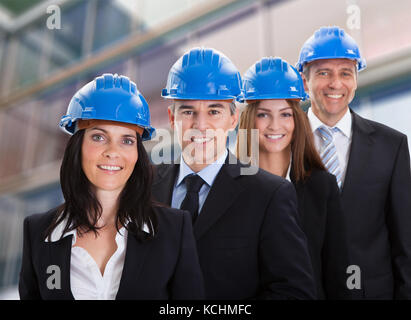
<point x="306" y="71"/>
<point x="233" y="107"/>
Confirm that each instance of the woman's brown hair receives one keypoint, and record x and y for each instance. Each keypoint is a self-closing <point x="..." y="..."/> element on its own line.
<point x="305" y="156"/>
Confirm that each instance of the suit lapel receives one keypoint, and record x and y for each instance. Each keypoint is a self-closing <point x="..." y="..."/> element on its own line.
<point x="223" y="193"/>
<point x="360" y="151"/>
<point x="136" y="253"/>
<point x="164" y="182"/>
<point x="59" y="254"/>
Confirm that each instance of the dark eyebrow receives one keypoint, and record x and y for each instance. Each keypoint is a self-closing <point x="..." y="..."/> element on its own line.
<point x="184" y="106"/>
<point x="328" y="69"/>
<point x="130" y="136"/>
<point x="97" y="128"/>
<point x="216" y="105"/>
<point x="268" y="110"/>
<point x="124" y="135"/>
<point x="263" y="109"/>
<point x="322" y="69"/>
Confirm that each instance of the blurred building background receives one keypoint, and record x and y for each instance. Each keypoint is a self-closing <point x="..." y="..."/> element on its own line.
<point x="44" y="61"/>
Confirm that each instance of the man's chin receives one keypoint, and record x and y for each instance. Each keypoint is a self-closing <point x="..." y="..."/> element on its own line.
<point x="336" y="112"/>
<point x="333" y="109"/>
<point x="199" y="159"/>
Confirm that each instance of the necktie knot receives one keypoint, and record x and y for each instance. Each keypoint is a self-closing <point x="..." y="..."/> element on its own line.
<point x="325" y="134"/>
<point x="193" y="183"/>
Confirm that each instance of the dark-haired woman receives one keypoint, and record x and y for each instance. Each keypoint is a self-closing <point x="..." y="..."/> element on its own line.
<point x="109" y="240"/>
<point x="273" y="89"/>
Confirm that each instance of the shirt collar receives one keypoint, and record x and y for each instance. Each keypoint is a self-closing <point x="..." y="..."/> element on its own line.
<point x="57" y="233"/>
<point x="344" y="124"/>
<point x="208" y="174"/>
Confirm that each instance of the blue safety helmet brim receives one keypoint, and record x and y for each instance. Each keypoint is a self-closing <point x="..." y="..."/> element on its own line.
<point x="200" y="97"/>
<point x="361" y="63"/>
<point x="277" y="97"/>
<point x="69" y="125"/>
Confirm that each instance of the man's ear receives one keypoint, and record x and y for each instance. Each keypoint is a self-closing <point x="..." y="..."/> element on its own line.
<point x="170" y="117"/>
<point x="305" y="82"/>
<point x="356" y="77"/>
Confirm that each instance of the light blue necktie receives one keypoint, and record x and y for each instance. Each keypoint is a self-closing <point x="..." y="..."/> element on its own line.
<point x="329" y="152"/>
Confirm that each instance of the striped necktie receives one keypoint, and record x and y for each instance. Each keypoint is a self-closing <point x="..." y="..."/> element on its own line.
<point x="329" y="152"/>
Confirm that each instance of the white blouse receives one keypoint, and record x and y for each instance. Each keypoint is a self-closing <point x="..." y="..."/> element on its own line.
<point x="86" y="280"/>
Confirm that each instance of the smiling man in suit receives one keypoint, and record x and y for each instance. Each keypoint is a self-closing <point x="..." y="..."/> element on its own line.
<point x="248" y="238"/>
<point x="370" y="161"/>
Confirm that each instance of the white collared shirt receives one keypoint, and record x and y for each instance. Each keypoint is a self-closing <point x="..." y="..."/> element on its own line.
<point x="341" y="139"/>
<point x="86" y="280"/>
<point x="208" y="174"/>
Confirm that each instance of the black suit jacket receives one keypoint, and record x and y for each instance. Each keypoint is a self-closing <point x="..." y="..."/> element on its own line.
<point x="248" y="239"/>
<point x="376" y="201"/>
<point x="165" y="267"/>
<point x="324" y="225"/>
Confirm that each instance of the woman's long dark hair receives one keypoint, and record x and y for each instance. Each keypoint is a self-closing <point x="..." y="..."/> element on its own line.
<point x="82" y="208"/>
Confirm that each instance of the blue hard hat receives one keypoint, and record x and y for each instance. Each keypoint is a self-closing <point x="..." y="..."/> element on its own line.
<point x="203" y="74"/>
<point x="273" y="78"/>
<point x="330" y="43"/>
<point x="109" y="97"/>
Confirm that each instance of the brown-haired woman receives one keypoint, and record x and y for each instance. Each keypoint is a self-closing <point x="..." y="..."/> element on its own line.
<point x="273" y="90"/>
<point x="108" y="240"/>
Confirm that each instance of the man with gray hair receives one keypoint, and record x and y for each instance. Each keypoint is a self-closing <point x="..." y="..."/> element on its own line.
<point x="370" y="161"/>
<point x="248" y="238"/>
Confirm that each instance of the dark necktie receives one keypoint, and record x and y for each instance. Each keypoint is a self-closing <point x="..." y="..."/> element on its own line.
<point x="190" y="203"/>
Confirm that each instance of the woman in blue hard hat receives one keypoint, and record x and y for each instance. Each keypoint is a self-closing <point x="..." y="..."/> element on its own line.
<point x="273" y="90"/>
<point x="108" y="240"/>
